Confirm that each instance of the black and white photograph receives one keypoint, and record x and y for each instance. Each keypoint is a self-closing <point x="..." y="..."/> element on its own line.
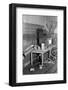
<point x="37" y="42"/>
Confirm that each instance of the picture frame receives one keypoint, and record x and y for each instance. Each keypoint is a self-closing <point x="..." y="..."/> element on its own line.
<point x="23" y="18"/>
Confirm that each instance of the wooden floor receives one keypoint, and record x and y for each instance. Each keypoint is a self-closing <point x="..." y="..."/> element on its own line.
<point x="47" y="68"/>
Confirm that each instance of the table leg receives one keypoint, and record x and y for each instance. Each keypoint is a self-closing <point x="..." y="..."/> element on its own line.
<point x="41" y="66"/>
<point x="32" y="68"/>
<point x="42" y="58"/>
<point x="31" y="59"/>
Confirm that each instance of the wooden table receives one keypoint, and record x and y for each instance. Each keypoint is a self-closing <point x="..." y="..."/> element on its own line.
<point x="41" y="52"/>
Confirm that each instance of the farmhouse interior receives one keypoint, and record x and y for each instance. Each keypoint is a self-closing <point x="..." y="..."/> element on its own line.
<point x="39" y="44"/>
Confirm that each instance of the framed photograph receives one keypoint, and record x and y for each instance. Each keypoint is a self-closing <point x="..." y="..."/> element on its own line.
<point x="37" y="44"/>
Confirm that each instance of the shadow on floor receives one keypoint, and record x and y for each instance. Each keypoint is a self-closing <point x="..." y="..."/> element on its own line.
<point x="48" y="68"/>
